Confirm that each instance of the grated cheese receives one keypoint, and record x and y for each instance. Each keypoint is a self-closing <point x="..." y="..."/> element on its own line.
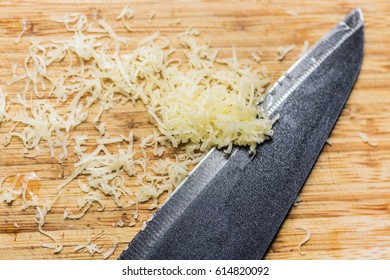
<point x="153" y="206"/>
<point x="283" y="51"/>
<point x="14" y="67"/>
<point x="26" y="26"/>
<point x="307" y="237"/>
<point x="101" y="128"/>
<point x="255" y="56"/>
<point x="297" y="201"/>
<point x="80" y="140"/>
<point x="85" y="203"/>
<point x="90" y="247"/>
<point x="151" y="15"/>
<point x="110" y="251"/>
<point x="3" y="108"/>
<point x="292" y="13"/>
<point x="44" y="123"/>
<point x="143" y="226"/>
<point x="9" y="193"/>
<point x="99" y="73"/>
<point x="126" y="13"/>
<point x="173" y="114"/>
<point x="365" y="139"/>
<point x="42" y="208"/>
<point x="363" y="136"/>
<point x="105" y="171"/>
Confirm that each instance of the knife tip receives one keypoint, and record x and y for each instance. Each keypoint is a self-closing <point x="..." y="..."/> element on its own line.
<point x="354" y="20"/>
<point x="358" y="12"/>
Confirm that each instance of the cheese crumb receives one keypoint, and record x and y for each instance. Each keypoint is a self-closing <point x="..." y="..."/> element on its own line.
<point x="151" y="15"/>
<point x="255" y="56"/>
<point x="292" y="13"/>
<point x="365" y="139"/>
<point x="283" y="51"/>
<point x="110" y="251"/>
<point x="98" y="72"/>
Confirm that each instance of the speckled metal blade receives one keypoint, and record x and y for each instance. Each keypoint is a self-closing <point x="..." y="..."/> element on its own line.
<point x="232" y="207"/>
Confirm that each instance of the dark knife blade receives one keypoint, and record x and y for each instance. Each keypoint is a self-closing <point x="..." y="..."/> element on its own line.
<point x="231" y="207"/>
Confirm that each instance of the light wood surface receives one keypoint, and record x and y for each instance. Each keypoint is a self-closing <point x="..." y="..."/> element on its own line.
<point x="345" y="204"/>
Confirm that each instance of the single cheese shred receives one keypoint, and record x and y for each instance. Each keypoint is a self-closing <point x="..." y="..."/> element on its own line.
<point x="110" y="251"/>
<point x="365" y="139"/>
<point x="306" y="239"/>
<point x="26" y="26"/>
<point x="126" y="14"/>
<point x="283" y="51"/>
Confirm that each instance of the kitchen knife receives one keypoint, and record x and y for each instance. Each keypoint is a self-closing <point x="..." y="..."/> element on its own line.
<point x="232" y="206"/>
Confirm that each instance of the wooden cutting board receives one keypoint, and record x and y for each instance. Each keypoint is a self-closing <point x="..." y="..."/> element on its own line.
<point x="345" y="203"/>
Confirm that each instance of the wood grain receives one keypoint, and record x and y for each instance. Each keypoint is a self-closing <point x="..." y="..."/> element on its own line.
<point x="345" y="203"/>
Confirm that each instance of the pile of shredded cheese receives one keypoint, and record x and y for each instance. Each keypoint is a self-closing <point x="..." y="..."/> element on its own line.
<point x="196" y="104"/>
